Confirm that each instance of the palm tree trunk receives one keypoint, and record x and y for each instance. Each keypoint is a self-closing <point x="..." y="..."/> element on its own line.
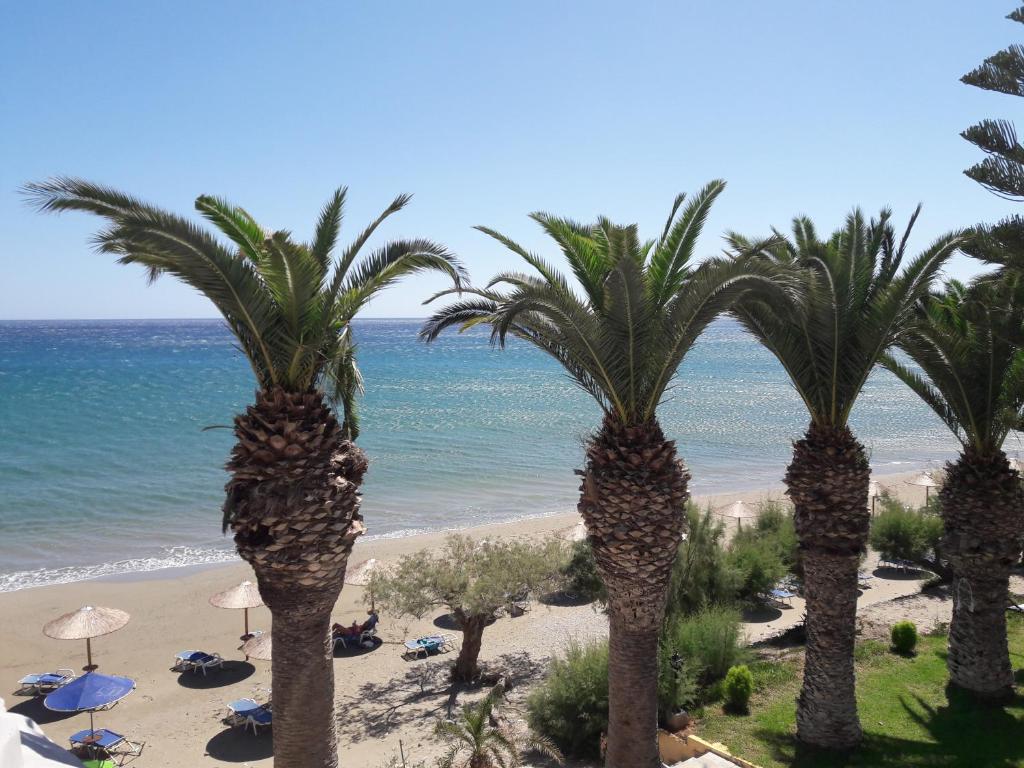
<point x="982" y="508"/>
<point x="827" y="481"/>
<point x="293" y="504"/>
<point x="305" y="727"/>
<point x="466" y="668"/>
<point x="632" y="693"/>
<point x="632" y="500"/>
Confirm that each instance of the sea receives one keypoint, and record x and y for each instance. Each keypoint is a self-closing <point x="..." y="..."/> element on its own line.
<point x="113" y="435"/>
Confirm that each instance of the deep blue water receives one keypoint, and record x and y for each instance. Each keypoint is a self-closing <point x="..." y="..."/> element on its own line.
<point x="103" y="457"/>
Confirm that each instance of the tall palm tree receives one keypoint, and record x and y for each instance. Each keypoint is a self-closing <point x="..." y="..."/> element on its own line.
<point x="854" y="304"/>
<point x="293" y="496"/>
<point x="968" y="345"/>
<point x="620" y="333"/>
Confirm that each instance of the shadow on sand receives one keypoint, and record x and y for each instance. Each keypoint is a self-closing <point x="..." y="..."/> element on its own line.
<point x="232" y="672"/>
<point x="346" y="651"/>
<point x="422" y="694"/>
<point x="447" y="621"/>
<point x="233" y="745"/>
<point x="761" y="614"/>
<point x="34" y="709"/>
<point x="900" y="574"/>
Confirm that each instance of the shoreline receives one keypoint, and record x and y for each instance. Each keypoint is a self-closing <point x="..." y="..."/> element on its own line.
<point x="385" y="699"/>
<point x="377" y="545"/>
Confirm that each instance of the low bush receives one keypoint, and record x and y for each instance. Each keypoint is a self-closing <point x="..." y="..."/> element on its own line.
<point x="900" y="532"/>
<point x="571" y="706"/>
<point x="580" y="574"/>
<point x="739" y="685"/>
<point x="677" y="683"/>
<point x="756" y="559"/>
<point x="701" y="575"/>
<point x="708" y="642"/>
<point x="904" y="637"/>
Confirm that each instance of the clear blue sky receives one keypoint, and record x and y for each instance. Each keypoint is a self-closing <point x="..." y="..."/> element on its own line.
<point x="486" y="111"/>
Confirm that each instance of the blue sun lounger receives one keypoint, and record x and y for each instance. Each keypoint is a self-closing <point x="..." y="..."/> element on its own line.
<point x="35" y="685"/>
<point x="259" y="718"/>
<point x="196" y="661"/>
<point x="425" y="646"/>
<point x="782" y="596"/>
<point x="102" y="741"/>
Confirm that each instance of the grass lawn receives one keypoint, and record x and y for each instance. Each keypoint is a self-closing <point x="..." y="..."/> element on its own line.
<point x="908" y="719"/>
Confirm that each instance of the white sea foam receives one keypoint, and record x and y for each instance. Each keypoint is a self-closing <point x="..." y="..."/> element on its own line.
<point x="172" y="557"/>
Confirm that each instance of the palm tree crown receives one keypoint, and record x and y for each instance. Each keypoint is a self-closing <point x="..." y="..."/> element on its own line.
<point x="967" y="343"/>
<point x="853" y="305"/>
<point x="288" y="303"/>
<point x="638" y="309"/>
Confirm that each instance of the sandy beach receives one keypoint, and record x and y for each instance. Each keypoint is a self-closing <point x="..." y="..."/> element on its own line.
<point x="382" y="699"/>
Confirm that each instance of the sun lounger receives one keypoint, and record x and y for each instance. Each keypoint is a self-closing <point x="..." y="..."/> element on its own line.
<point x="196" y="661"/>
<point x="1015" y="607"/>
<point x="35" y="685"/>
<point x="784" y="596"/>
<point x="361" y="638"/>
<point x="105" y="742"/>
<point x="259" y="718"/>
<point x="424" y="646"/>
<point x="240" y="709"/>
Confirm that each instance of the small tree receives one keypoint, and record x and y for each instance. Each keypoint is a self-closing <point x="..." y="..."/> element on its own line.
<point x="477" y="738"/>
<point x="471" y="579"/>
<point x="900" y="532"/>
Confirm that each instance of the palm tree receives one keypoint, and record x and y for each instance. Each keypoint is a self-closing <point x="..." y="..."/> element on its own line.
<point x="621" y="335"/>
<point x="852" y="307"/>
<point x="477" y="740"/>
<point x="968" y="344"/>
<point x="293" y="496"/>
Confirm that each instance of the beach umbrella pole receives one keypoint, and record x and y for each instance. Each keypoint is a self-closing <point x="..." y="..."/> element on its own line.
<point x="88" y="654"/>
<point x="247" y="621"/>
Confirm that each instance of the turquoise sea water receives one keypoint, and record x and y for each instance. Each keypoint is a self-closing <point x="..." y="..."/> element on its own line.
<point x="105" y="467"/>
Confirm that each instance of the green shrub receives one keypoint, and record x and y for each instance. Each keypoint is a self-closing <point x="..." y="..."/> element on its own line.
<point x="900" y="532"/>
<point x="904" y="637"/>
<point x="775" y="522"/>
<point x="571" y="706"/>
<point x="757" y="561"/>
<point x="580" y="573"/>
<point x="739" y="684"/>
<point x="709" y="642"/>
<point x="701" y="575"/>
<point x="677" y="684"/>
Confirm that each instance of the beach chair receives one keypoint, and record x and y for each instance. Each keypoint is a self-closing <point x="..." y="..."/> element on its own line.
<point x="423" y="646"/>
<point x="36" y="685"/>
<point x="367" y="632"/>
<point x="781" y="596"/>
<point x="197" y="661"/>
<point x="259" y="718"/>
<point x="100" y="742"/>
<point x="239" y="710"/>
<point x="863" y="577"/>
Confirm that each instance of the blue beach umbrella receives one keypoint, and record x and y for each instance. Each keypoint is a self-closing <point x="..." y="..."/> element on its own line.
<point x="88" y="693"/>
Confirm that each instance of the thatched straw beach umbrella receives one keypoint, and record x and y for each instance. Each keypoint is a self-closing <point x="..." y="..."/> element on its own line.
<point x="84" y="624"/>
<point x="359" y="576"/>
<point x="258" y="647"/>
<point x="874" y="491"/>
<point x="738" y="511"/>
<point x="245" y="596"/>
<point x="926" y="481"/>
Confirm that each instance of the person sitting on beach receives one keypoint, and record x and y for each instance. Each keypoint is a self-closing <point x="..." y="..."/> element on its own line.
<point x="339" y="631"/>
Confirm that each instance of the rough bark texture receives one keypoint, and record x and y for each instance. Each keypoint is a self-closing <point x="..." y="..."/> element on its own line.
<point x="827" y="481"/>
<point x="982" y="507"/>
<point x="632" y="500"/>
<point x="466" y="668"/>
<point x="293" y="505"/>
